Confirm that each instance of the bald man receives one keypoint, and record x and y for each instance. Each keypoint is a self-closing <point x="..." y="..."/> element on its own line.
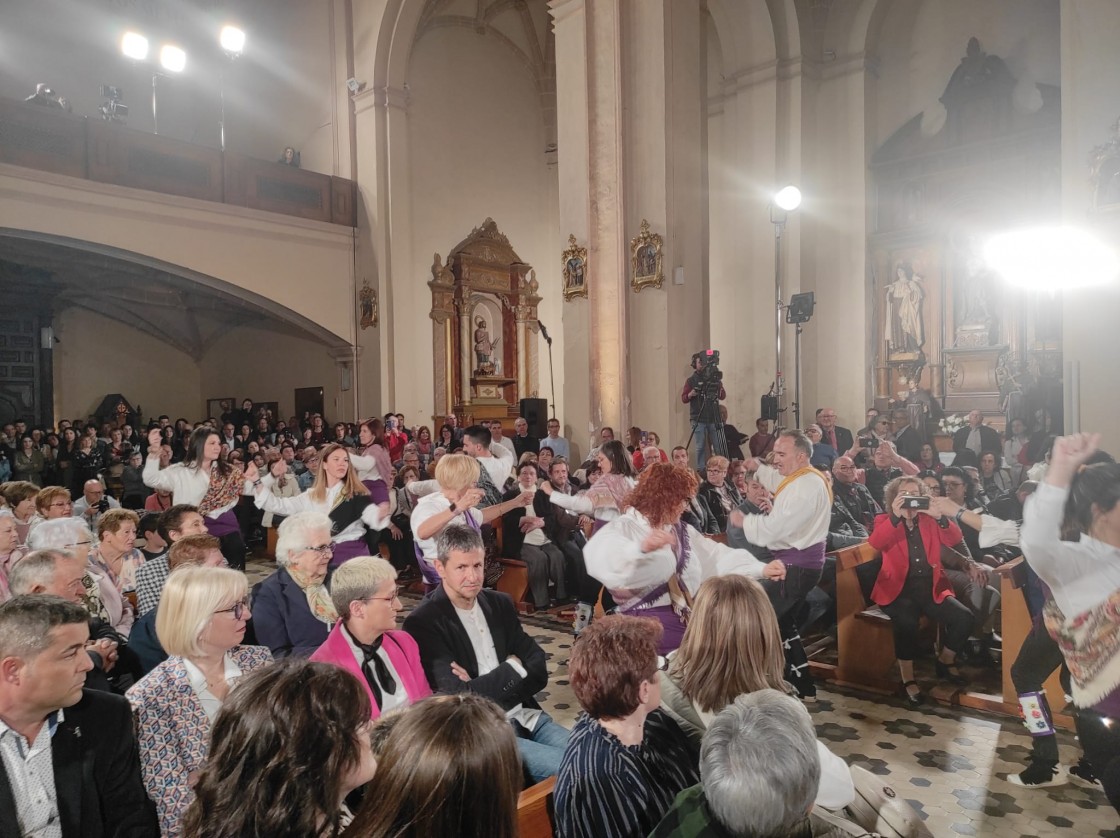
<point x="93" y="503"/>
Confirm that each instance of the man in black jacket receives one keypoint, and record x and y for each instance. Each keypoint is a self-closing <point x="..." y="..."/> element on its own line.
<point x="49" y="723"/>
<point x="977" y="438"/>
<point x="471" y="640"/>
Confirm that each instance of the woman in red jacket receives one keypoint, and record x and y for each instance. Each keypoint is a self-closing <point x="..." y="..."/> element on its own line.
<point x="910" y="582"/>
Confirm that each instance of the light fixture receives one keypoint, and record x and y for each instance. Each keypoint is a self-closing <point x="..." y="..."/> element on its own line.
<point x="232" y="40"/>
<point x="1051" y="259"/>
<point x="134" y="46"/>
<point x="788" y="198"/>
<point x="172" y="58"/>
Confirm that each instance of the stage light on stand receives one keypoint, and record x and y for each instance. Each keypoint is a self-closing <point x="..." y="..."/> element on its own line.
<point x="232" y="40"/>
<point x="172" y="58"/>
<point x="788" y="198"/>
<point x="784" y="201"/>
<point x="1052" y="259"/>
<point x="134" y="46"/>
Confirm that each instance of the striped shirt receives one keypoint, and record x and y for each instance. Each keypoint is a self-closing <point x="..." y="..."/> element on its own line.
<point x="606" y="788"/>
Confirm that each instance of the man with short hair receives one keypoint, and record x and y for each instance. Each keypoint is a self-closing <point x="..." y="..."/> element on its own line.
<point x="855" y="496"/>
<point x="885" y="466"/>
<point x="69" y="764"/>
<point x="229" y="436"/>
<point x="522" y="442"/>
<point x="471" y="640"/>
<point x="177" y="522"/>
<point x="606" y="434"/>
<point x="496" y="460"/>
<point x="93" y="503"/>
<point x="907" y="440"/>
<point x="761" y="442"/>
<point x="795" y="531"/>
<point x="977" y="438"/>
<point x="496" y="438"/>
<point x="839" y="438"/>
<point x="560" y="446"/>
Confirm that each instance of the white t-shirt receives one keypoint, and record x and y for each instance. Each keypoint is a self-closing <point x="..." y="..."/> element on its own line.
<point x="425" y="508"/>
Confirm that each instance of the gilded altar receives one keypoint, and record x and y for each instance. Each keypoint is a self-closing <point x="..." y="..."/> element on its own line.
<point x="484" y="327"/>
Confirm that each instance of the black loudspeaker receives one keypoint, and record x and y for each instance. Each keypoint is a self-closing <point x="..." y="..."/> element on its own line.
<point x="769" y="408"/>
<point x="535" y="412"/>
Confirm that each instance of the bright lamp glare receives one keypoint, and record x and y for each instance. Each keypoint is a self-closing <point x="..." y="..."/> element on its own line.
<point x="1051" y="259"/>
<point x="172" y="58"/>
<point x="232" y="39"/>
<point x="134" y="46"/>
<point x="788" y="198"/>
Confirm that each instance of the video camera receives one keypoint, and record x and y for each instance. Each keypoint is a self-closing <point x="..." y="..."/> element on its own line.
<point x="709" y="365"/>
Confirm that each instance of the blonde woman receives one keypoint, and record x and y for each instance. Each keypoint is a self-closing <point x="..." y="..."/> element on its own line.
<point x="338" y="493"/>
<point x="200" y="623"/>
<point x="732" y="646"/>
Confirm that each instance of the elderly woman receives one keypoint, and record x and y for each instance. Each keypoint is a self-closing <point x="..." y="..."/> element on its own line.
<point x="200" y="623"/>
<point x="653" y="563"/>
<point x="364" y="641"/>
<point x="208" y="482"/>
<point x="911" y="581"/>
<point x="823" y="453"/>
<point x="994" y="478"/>
<point x="116" y="554"/>
<point x="50" y="503"/>
<point x="10" y="551"/>
<point x="732" y="646"/>
<point x="719" y="496"/>
<point x="456" y="501"/>
<point x="524" y="537"/>
<point x="336" y="492"/>
<point x="20" y="496"/>
<point x="458" y="750"/>
<point x="293" y="607"/>
<point x="626" y="760"/>
<point x="283" y="724"/>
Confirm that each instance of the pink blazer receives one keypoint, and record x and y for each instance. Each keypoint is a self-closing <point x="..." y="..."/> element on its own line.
<point x="403" y="653"/>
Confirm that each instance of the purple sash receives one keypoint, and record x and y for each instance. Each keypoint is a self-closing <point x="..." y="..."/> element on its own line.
<point x="670" y="621"/>
<point x="657" y="591"/>
<point x="344" y="551"/>
<point x="811" y="558"/>
<point x="427" y="570"/>
<point x="224" y="524"/>
<point x="378" y="491"/>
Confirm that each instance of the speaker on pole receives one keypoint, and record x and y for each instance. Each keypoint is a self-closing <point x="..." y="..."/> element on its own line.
<point x="535" y="412"/>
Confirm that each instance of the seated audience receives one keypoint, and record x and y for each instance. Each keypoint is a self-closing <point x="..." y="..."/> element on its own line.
<point x="471" y="640"/>
<point x="293" y="607"/>
<point x="160" y="500"/>
<point x="855" y="496"/>
<point x="70" y="764"/>
<point x="994" y="478"/>
<point x="885" y="466"/>
<point x="133" y="490"/>
<point x="974" y="439"/>
<point x="717" y="495"/>
<point x="364" y="642"/>
<point x="281" y="727"/>
<point x="93" y="503"/>
<point x="148" y="532"/>
<point x="928" y="459"/>
<point x="201" y="622"/>
<point x="19" y="496"/>
<point x="175" y="523"/>
<point x="116" y="554"/>
<point x="762" y="441"/>
<point x="732" y="646"/>
<point x="696" y="515"/>
<point x="52" y="502"/>
<point x="824" y="455"/>
<point x="626" y="759"/>
<point x="524" y="537"/>
<point x="448" y="767"/>
<point x="28" y="463"/>
<point x="911" y="583"/>
<point x="10" y="551"/>
<point x="758" y="776"/>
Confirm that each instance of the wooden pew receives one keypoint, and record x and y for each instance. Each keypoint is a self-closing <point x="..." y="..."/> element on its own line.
<point x="536" y="810"/>
<point x="515" y="576"/>
<point x="865" y="643"/>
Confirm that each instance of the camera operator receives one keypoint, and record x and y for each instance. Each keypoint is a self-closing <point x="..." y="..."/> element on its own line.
<point x="93" y="503"/>
<point x="703" y="392"/>
<point x="911" y="581"/>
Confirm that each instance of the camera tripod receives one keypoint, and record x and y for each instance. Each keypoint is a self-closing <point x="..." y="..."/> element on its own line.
<point x="718" y="437"/>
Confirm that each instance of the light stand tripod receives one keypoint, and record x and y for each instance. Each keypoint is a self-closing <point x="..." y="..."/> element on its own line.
<point x="798" y="312"/>
<point x="551" y="375"/>
<point x="718" y="436"/>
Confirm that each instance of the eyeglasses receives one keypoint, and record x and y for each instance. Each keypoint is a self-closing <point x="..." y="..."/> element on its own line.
<point x="322" y="549"/>
<point x="716" y="470"/>
<point x="395" y="596"/>
<point x="79" y="544"/>
<point x="238" y="609"/>
<point x="950" y="484"/>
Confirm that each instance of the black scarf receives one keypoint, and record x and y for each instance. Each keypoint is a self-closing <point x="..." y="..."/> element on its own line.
<point x="384" y="678"/>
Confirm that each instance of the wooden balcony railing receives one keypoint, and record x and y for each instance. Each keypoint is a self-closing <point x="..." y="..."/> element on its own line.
<point x="51" y="140"/>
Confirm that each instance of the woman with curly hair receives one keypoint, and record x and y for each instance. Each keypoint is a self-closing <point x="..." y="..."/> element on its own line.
<point x="286" y="748"/>
<point x="653" y="563"/>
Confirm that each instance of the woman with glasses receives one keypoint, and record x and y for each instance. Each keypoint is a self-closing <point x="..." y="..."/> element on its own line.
<point x="717" y="494"/>
<point x="293" y="607"/>
<point x="200" y="623"/>
<point x="365" y="642"/>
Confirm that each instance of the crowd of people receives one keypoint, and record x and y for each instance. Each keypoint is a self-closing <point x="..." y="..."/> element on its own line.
<point x="298" y="706"/>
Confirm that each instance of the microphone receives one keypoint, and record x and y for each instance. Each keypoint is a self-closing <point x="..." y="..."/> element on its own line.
<point x="544" y="332"/>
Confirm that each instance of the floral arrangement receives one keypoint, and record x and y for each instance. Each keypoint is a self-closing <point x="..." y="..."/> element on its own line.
<point x="952" y="423"/>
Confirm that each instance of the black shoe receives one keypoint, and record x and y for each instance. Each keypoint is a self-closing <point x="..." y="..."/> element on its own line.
<point x="949" y="672"/>
<point x="914" y="699"/>
<point x="1038" y="775"/>
<point x="1083" y="775"/>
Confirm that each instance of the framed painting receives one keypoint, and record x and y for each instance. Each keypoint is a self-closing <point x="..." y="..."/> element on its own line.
<point x="574" y="262"/>
<point x="645" y="259"/>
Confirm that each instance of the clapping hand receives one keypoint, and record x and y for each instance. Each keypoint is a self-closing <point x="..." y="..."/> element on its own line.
<point x="735" y="518"/>
<point x="527" y="496"/>
<point x="469" y="498"/>
<point x="775" y="570"/>
<point x="251" y="473"/>
<point x="1069" y="454"/>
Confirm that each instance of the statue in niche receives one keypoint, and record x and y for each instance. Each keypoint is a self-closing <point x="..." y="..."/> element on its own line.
<point x="482" y="345"/>
<point x="904" y="311"/>
<point x="917" y="401"/>
<point x="976" y="323"/>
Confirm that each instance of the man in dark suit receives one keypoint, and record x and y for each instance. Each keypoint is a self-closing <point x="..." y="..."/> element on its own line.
<point x="977" y="438"/>
<point x="906" y="439"/>
<point x="839" y="438"/>
<point x="471" y="641"/>
<point x="522" y="441"/>
<point x="49" y="723"/>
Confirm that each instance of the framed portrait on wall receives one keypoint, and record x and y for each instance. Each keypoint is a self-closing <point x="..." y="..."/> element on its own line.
<point x="645" y="259"/>
<point x="219" y="407"/>
<point x="574" y="263"/>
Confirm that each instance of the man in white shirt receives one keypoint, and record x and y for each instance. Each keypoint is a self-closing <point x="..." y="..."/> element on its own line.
<point x="496" y="459"/>
<point x="63" y="772"/>
<point x="497" y="439"/>
<point x="795" y="532"/>
<point x="471" y="640"/>
<point x="93" y="503"/>
<point x="560" y="446"/>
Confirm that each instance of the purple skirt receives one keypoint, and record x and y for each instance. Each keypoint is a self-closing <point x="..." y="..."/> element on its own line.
<point x="378" y="491"/>
<point x="224" y="524"/>
<point x="670" y="622"/>
<point x="344" y="551"/>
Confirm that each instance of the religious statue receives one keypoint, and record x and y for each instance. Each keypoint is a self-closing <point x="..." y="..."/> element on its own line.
<point x="904" y="311"/>
<point x="482" y="345"/>
<point x="367" y="304"/>
<point x="976" y="323"/>
<point x="918" y="402"/>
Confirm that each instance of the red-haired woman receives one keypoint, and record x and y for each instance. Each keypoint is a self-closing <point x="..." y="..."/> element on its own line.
<point x="653" y="563"/>
<point x="371" y="460"/>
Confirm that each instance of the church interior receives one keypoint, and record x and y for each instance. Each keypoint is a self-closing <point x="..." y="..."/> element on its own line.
<point x="489" y="207"/>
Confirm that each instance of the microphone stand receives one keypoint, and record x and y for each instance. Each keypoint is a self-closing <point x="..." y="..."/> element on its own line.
<point x="551" y="376"/>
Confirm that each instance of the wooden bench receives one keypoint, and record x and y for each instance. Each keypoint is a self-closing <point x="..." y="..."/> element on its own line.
<point x="515" y="577"/>
<point x="536" y="810"/>
<point x="865" y="645"/>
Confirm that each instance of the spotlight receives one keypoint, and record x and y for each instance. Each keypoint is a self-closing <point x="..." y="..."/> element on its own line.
<point x="1051" y="259"/>
<point x="134" y="46"/>
<point x="172" y="58"/>
<point x="232" y="40"/>
<point x="789" y="198"/>
<point x="800" y="308"/>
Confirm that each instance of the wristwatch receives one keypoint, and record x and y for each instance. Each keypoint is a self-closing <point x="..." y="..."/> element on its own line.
<point x="453" y="509"/>
<point x="959" y="515"/>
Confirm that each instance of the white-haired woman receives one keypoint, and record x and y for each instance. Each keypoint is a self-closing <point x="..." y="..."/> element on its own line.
<point x="200" y="623"/>
<point x="102" y="597"/>
<point x="337" y="493"/>
<point x="293" y="608"/>
<point x="10" y="551"/>
<point x="365" y="643"/>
